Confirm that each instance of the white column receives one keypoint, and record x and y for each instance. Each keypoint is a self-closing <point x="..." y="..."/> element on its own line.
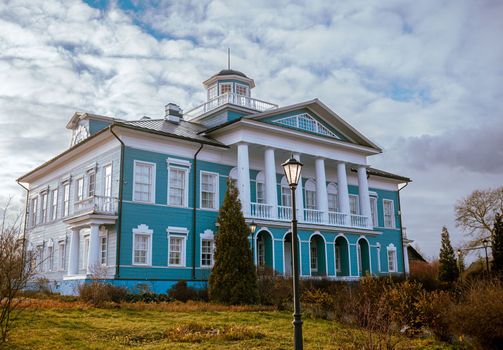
<point x="342" y="190"/>
<point x="73" y="254"/>
<point x="244" y="177"/>
<point x="271" y="187"/>
<point x="299" y="195"/>
<point x="321" y="188"/>
<point x="406" y="259"/>
<point x="363" y="190"/>
<point x="93" y="259"/>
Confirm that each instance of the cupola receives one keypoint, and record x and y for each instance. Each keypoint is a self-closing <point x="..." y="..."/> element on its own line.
<point x="228" y="81"/>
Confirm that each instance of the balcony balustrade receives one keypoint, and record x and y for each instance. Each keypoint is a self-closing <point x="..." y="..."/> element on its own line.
<point x="97" y="204"/>
<point x="311" y="216"/>
<point x="229" y="98"/>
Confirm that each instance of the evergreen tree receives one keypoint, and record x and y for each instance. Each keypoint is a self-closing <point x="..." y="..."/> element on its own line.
<point x="233" y="279"/>
<point x="497" y="245"/>
<point x="461" y="263"/>
<point x="448" y="269"/>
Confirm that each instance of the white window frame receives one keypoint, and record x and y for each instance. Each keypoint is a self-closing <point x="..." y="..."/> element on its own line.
<point x="247" y="90"/>
<point x="207" y="235"/>
<point x="143" y="230"/>
<point x="104" y="250"/>
<point x="357" y="203"/>
<point x="66" y="199"/>
<point x="61" y="255"/>
<point x="373" y="211"/>
<point x="220" y="88"/>
<point x="79" y="189"/>
<point x="211" y="89"/>
<point x="260" y="180"/>
<point x="392" y="249"/>
<point x="153" y="181"/>
<point x="338" y="259"/>
<point x="216" y="197"/>
<point x="107" y="180"/>
<point x="392" y="214"/>
<point x="260" y="251"/>
<point x="54" y="204"/>
<point x="86" y="244"/>
<point x="333" y="191"/>
<point x="44" y="198"/>
<point x="178" y="233"/>
<point x="50" y="256"/>
<point x="310" y="194"/>
<point x="185" y="194"/>
<point x="34" y="211"/>
<point x="91" y="184"/>
<point x="378" y="246"/>
<point x="286" y="192"/>
<point x="313" y="247"/>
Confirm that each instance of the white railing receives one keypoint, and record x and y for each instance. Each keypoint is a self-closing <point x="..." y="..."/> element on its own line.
<point x="97" y="204"/>
<point x="359" y="221"/>
<point x="232" y="98"/>
<point x="261" y="210"/>
<point x="284" y="213"/>
<point x="313" y="216"/>
<point x="337" y="219"/>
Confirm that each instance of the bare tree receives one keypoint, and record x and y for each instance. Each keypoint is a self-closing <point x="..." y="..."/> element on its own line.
<point x="16" y="268"/>
<point x="476" y="213"/>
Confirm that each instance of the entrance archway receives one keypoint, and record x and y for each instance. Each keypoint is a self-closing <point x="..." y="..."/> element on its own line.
<point x="341" y="247"/>
<point x="287" y="255"/>
<point x="317" y="255"/>
<point x="264" y="242"/>
<point x="363" y="257"/>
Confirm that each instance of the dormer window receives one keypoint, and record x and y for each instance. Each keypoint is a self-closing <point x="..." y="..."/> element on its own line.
<point x="225" y="88"/>
<point x="212" y="92"/>
<point x="241" y="89"/>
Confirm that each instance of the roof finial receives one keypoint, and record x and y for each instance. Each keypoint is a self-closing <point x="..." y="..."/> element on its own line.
<point x="228" y="58"/>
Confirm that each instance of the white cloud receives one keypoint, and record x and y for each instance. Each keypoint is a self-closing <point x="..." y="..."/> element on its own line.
<point x="410" y="75"/>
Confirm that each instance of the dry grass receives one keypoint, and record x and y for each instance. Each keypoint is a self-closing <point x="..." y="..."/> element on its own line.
<point x="194" y="306"/>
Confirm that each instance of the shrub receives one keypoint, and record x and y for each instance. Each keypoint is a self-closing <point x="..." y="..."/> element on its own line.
<point x="479" y="314"/>
<point x="98" y="293"/>
<point x="434" y="308"/>
<point x="403" y="302"/>
<point x="148" y="297"/>
<point x="425" y="273"/>
<point x="182" y="292"/>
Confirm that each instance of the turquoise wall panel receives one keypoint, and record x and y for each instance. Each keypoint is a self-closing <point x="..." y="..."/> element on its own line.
<point x="97" y="125"/>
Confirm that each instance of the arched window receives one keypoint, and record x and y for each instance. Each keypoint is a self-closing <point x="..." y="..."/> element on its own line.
<point x="260" y="187"/>
<point x="310" y="193"/>
<point x="233" y="176"/>
<point x="333" y="199"/>
<point x="286" y="195"/>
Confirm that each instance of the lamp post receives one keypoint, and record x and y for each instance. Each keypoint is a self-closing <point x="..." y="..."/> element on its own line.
<point x="458" y="253"/>
<point x="253" y="227"/>
<point x="292" y="168"/>
<point x="485" y="242"/>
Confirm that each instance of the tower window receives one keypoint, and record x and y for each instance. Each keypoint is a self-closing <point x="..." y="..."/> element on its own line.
<point x="241" y="89"/>
<point x="212" y="92"/>
<point x="225" y="88"/>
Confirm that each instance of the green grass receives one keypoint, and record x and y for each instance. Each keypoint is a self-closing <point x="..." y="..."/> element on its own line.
<point x="90" y="328"/>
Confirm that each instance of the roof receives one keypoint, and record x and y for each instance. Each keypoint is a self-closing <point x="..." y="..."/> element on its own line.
<point x="231" y="72"/>
<point x="414" y="254"/>
<point x="382" y="173"/>
<point x="184" y="129"/>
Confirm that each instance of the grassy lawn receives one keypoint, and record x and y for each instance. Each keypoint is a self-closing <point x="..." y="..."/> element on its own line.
<point x="77" y="326"/>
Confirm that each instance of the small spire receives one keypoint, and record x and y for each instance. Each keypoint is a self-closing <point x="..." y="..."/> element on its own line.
<point x="228" y="58"/>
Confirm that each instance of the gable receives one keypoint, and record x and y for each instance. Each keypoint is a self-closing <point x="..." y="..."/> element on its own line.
<point x="306" y="121"/>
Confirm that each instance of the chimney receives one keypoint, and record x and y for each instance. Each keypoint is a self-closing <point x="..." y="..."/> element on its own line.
<point x="173" y="113"/>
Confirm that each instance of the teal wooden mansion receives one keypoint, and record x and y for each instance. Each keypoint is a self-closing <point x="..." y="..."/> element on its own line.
<point x="135" y="202"/>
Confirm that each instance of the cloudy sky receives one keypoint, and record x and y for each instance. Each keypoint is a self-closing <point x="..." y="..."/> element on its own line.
<point x="421" y="78"/>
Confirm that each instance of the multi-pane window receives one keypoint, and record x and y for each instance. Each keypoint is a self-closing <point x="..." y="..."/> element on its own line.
<point x="143" y="182"/>
<point x="260" y="192"/>
<point x="260" y="252"/>
<point x="176" y="250"/>
<point x="354" y="205"/>
<point x="337" y="258"/>
<point x="103" y="249"/>
<point x="388" y="213"/>
<point x="43" y="215"/>
<point x="39" y="258"/>
<point x="225" y="88"/>
<point x="212" y="92"/>
<point x="85" y="256"/>
<point x="50" y="258"/>
<point x="332" y="197"/>
<point x="241" y="89"/>
<point x="34" y="211"/>
<point x="177" y="186"/>
<point x="66" y="199"/>
<point x="91" y="184"/>
<point x="61" y="255"/>
<point x="391" y="260"/>
<point x="314" y="257"/>
<point x="79" y="189"/>
<point x="141" y="249"/>
<point x="54" y="204"/>
<point x="107" y="181"/>
<point x="373" y="211"/>
<point x="209" y="190"/>
<point x="207" y="248"/>
<point x="286" y="194"/>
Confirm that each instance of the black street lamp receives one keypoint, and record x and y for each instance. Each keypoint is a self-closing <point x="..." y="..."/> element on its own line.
<point x="292" y="168"/>
<point x="458" y="253"/>
<point x="485" y="242"/>
<point x="253" y="227"/>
